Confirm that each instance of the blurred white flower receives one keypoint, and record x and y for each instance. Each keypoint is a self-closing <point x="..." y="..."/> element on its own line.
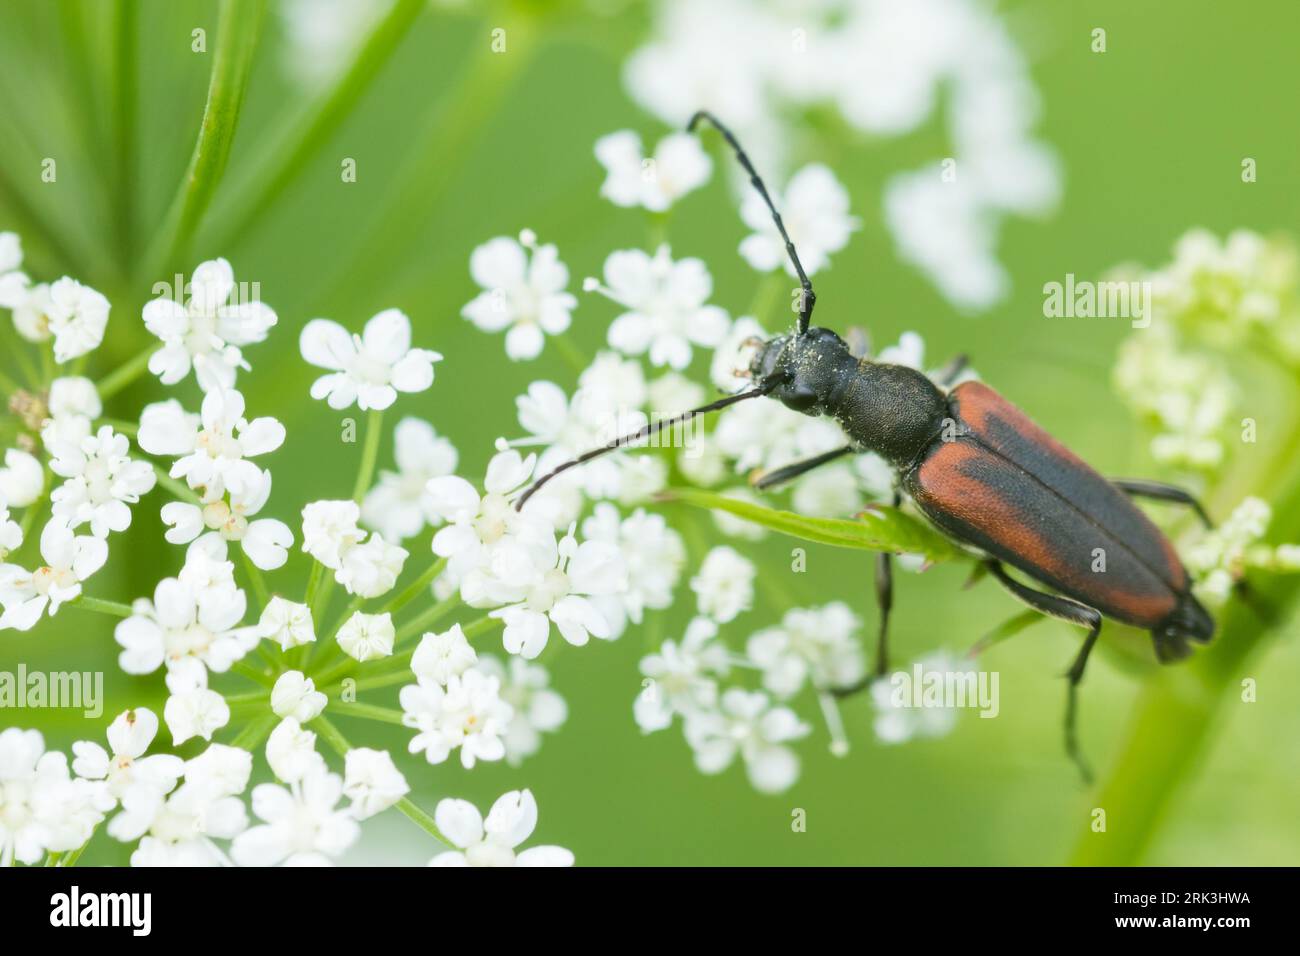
<point x="42" y="806"/>
<point x="724" y="585"/>
<point x="811" y="644"/>
<point x="73" y="406"/>
<point x="371" y="569"/>
<point x="295" y="695"/>
<point x="100" y="481"/>
<point x="537" y="708"/>
<point x="493" y="842"/>
<point x="1219" y="560"/>
<point x="69" y="560"/>
<point x="367" y="637"/>
<point x="303" y="826"/>
<point x="367" y="369"/>
<point x="767" y="435"/>
<point x="897" y="718"/>
<point x="652" y="552"/>
<point x="291" y="752"/>
<point x="13" y="281"/>
<point x="22" y="479"/>
<point x="680" y="676"/>
<point x="372" y="782"/>
<point x="679" y="165"/>
<point x="329" y="528"/>
<point x="207" y="333"/>
<point x="399" y="505"/>
<point x="468" y="713"/>
<point x="747" y="724"/>
<point x="815" y="209"/>
<point x="202" y="809"/>
<point x="521" y="292"/>
<point x="666" y="303"/>
<point x="11" y="533"/>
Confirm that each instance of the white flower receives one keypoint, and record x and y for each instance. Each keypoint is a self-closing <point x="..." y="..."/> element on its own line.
<point x="77" y="316"/>
<point x="206" y="333"/>
<point x="525" y="294"/>
<point x="287" y="623"/>
<point x="441" y="657"/>
<point x="192" y="710"/>
<point x="266" y="541"/>
<point x="193" y="616"/>
<point x="678" y="166"/>
<point x="295" y="695"/>
<point x="898" y="719"/>
<point x="203" y="808"/>
<point x="468" y="713"/>
<point x="69" y="560"/>
<point x="729" y="367"/>
<point x="814" y="644"/>
<point x="747" y="724"/>
<point x="367" y="637"/>
<point x="725" y="584"/>
<point x="137" y="782"/>
<point x="815" y="210"/>
<point x="680" y="676"/>
<point x="371" y="569"/>
<point x="509" y="823"/>
<point x="372" y="782"/>
<point x="771" y="436"/>
<point x="328" y="529"/>
<point x="1220" y="559"/>
<point x="42" y="806"/>
<point x="11" y="533"/>
<point x="399" y="505"/>
<point x="368" y="369"/>
<point x="13" y="281"/>
<point x="101" y="481"/>
<point x="212" y="451"/>
<point x="73" y="406"/>
<point x="31" y="309"/>
<point x="291" y="752"/>
<point x="302" y="827"/>
<point x="22" y="479"/>
<point x="558" y="593"/>
<point x="538" y="709"/>
<point x="652" y="552"/>
<point x="481" y="528"/>
<point x="666" y="306"/>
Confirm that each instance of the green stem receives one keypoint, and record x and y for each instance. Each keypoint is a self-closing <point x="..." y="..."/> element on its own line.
<point x="284" y="159"/>
<point x="313" y="582"/>
<point x="427" y="617"/>
<point x="125" y="374"/>
<point x="256" y="579"/>
<point x="386" y="715"/>
<point x="1174" y="720"/>
<point x="114" y="608"/>
<point x="239" y="24"/>
<point x="178" y="489"/>
<point x="252" y="673"/>
<point x="332" y="736"/>
<point x="255" y="732"/>
<point x="369" y="454"/>
<point x="416" y="588"/>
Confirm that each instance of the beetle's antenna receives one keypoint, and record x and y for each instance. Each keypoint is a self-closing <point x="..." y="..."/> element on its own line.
<point x="808" y="298"/>
<point x="640" y="434"/>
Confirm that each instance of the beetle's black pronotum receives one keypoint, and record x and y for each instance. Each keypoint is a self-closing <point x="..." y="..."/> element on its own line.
<point x="983" y="474"/>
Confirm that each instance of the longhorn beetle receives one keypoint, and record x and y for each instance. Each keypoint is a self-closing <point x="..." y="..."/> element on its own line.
<point x="983" y="474"/>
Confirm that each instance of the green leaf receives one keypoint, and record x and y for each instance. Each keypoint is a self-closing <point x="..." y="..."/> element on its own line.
<point x="878" y="529"/>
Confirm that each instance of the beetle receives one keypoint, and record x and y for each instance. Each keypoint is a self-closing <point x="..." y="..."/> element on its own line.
<point x="983" y="474"/>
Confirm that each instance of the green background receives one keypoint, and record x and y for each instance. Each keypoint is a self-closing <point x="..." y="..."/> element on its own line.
<point x="1151" y="135"/>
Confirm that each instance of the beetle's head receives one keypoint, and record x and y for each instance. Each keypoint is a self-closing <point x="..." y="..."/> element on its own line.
<point x="799" y="370"/>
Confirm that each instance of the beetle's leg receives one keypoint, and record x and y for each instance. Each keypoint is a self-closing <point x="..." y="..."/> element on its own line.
<point x="1140" y="488"/>
<point x="884" y="601"/>
<point x="792" y="471"/>
<point x="948" y="374"/>
<point x="807" y="298"/>
<point x="1075" y="613"/>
